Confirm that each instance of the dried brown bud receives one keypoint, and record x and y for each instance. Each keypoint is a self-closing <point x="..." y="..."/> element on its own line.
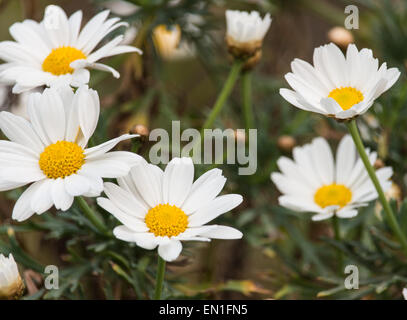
<point x="394" y="193"/>
<point x="341" y="37"/>
<point x="286" y="143"/>
<point x="140" y="129"/>
<point x="378" y="164"/>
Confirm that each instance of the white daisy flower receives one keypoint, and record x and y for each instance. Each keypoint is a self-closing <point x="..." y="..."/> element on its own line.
<point x="50" y="150"/>
<point x="405" y="293"/>
<point x="245" y="27"/>
<point x="337" y="86"/>
<point x="11" y="285"/>
<point x="55" y="51"/>
<point x="315" y="182"/>
<point x="162" y="209"/>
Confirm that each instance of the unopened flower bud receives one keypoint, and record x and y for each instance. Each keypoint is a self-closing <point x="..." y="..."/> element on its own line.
<point x="11" y="284"/>
<point x="393" y="193"/>
<point x="286" y="143"/>
<point x="378" y="164"/>
<point x="244" y="35"/>
<point x="140" y="129"/>
<point x="166" y="40"/>
<point x="341" y="37"/>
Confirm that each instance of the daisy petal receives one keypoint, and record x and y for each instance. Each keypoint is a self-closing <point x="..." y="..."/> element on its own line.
<point x="214" y="209"/>
<point x="60" y="197"/>
<point x="19" y="130"/>
<point x="22" y="209"/>
<point x="170" y="251"/>
<point x="222" y="232"/>
<point x="144" y="240"/>
<point x="177" y="181"/>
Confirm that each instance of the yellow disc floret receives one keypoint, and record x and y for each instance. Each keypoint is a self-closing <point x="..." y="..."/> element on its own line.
<point x="61" y="159"/>
<point x="166" y="220"/>
<point x="346" y="97"/>
<point x="59" y="60"/>
<point x="333" y="195"/>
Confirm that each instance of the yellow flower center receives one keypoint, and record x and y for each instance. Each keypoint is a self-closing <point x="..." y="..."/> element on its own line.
<point x="346" y="97"/>
<point x="166" y="220"/>
<point x="61" y="159"/>
<point x="333" y="195"/>
<point x="59" y="60"/>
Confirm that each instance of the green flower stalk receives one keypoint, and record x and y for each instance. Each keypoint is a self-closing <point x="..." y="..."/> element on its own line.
<point x="353" y="129"/>
<point x="159" y="278"/>
<point x="224" y="94"/>
<point x="247" y="100"/>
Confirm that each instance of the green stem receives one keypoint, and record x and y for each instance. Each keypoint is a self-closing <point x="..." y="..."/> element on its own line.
<point x="335" y="224"/>
<point x="159" y="278"/>
<point x="224" y="94"/>
<point x="91" y="215"/>
<point x="247" y="100"/>
<point x="353" y="129"/>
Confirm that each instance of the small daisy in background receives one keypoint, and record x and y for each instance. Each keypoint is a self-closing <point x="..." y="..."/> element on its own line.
<point x="121" y="7"/>
<point x="15" y="103"/>
<point x="338" y="86"/>
<point x="244" y="34"/>
<point x="315" y="182"/>
<point x="163" y="208"/>
<point x="55" y="51"/>
<point x="124" y="9"/>
<point x="50" y="151"/>
<point x="11" y="284"/>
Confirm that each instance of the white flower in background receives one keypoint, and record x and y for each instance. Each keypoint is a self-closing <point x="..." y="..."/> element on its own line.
<point x="4" y="92"/>
<point x="405" y="293"/>
<point x="130" y="35"/>
<point x="245" y="27"/>
<point x="193" y="23"/>
<point x="162" y="209"/>
<point x="55" y="51"/>
<point x="11" y="285"/>
<point x="19" y="107"/>
<point x="121" y="8"/>
<point x="124" y="8"/>
<point x="315" y="182"/>
<point x="16" y="104"/>
<point x="338" y="86"/>
<point x="50" y="150"/>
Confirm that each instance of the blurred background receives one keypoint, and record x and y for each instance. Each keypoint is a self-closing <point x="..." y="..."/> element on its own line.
<point x="283" y="255"/>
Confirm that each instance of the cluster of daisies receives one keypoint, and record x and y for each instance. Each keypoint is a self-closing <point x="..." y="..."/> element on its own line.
<point x="341" y="87"/>
<point x="47" y="148"/>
